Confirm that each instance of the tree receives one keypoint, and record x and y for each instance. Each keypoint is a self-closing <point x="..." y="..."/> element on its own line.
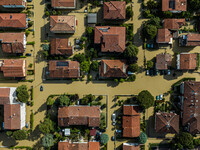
<point x="45" y="47"/>
<point x="20" y="135"/>
<point x="185" y="139"/>
<point x="64" y="100"/>
<point x="131" y="51"/>
<point x="154" y="21"/>
<point x="90" y="30"/>
<point x="149" y="64"/>
<point x="46" y="126"/>
<point x="47" y="140"/>
<point x="145" y="99"/>
<point x="142" y="138"/>
<point x="79" y="57"/>
<point x="129" y="12"/>
<point x="167" y="14"/>
<point x="152" y="4"/>
<point x="22" y="93"/>
<point x="147" y="13"/>
<point x="150" y="31"/>
<point x="94" y="66"/>
<point x="195" y="4"/>
<point x="133" y="68"/>
<point x="47" y="13"/>
<point x="104" y="138"/>
<point x="83" y="38"/>
<point x="85" y="66"/>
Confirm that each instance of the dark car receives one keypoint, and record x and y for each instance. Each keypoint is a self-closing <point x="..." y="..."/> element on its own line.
<point x="151" y="72"/>
<point x="113" y="138"/>
<point x="41" y="88"/>
<point x="28" y="54"/>
<point x="19" y="54"/>
<point x="102" y="130"/>
<point x="29" y="0"/>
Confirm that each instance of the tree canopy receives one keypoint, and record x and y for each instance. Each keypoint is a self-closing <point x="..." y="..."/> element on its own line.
<point x="47" y="126"/>
<point x="85" y="66"/>
<point x="79" y="57"/>
<point x="154" y="21"/>
<point x="129" y="12"/>
<point x="47" y="140"/>
<point x="195" y="4"/>
<point x="133" y="67"/>
<point x="22" y="93"/>
<point x="142" y="138"/>
<point x="64" y="100"/>
<point x="94" y="66"/>
<point x="149" y="64"/>
<point x="20" y="135"/>
<point x="184" y="139"/>
<point x="145" y="99"/>
<point x="131" y="51"/>
<point x="104" y="138"/>
<point x="150" y="31"/>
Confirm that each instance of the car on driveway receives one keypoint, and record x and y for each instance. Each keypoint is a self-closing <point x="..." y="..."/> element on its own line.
<point x="147" y="72"/>
<point x="161" y="96"/>
<point x="113" y="138"/>
<point x="41" y="88"/>
<point x="118" y="131"/>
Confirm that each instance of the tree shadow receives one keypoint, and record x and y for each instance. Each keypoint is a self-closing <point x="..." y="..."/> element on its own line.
<point x="39" y="56"/>
<point x="45" y="32"/>
<point x="43" y="107"/>
<point x="35" y="134"/>
<point x="7" y="140"/>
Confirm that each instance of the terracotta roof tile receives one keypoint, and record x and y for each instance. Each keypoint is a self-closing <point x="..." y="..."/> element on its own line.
<point x="173" y="24"/>
<point x="12" y="2"/>
<point x="163" y="61"/>
<point x="79" y="115"/>
<point x="127" y="146"/>
<point x="131" y="126"/>
<point x="188" y="61"/>
<point x="174" y="5"/>
<point x="64" y="69"/>
<point x="131" y="110"/>
<point x="10" y="20"/>
<point x="60" y="46"/>
<point x="115" y="10"/>
<point x="167" y="122"/>
<point x="4" y="96"/>
<point x="112" y="39"/>
<point x="62" y="24"/>
<point x="63" y="3"/>
<point x="113" y="69"/>
<point x="163" y="36"/>
<point x="193" y="39"/>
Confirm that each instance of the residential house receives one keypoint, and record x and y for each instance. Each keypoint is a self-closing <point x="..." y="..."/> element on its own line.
<point x="63" y="69"/>
<point x="111" y="39"/>
<point x="65" y="145"/>
<point x="13" y="42"/>
<point x="13" y="20"/>
<point x="14" y="117"/>
<point x="166" y="122"/>
<point x="191" y="39"/>
<point x="131" y="121"/>
<point x="186" y="61"/>
<point x="15" y="68"/>
<point x="163" y="61"/>
<point x="63" y="24"/>
<point x="18" y="4"/>
<point x="79" y="115"/>
<point x="61" y="46"/>
<point x="113" y="69"/>
<point x="164" y="37"/>
<point x="114" y="10"/>
<point x="131" y="146"/>
<point x="63" y="4"/>
<point x="173" y="24"/>
<point x="190" y="104"/>
<point x="174" y="6"/>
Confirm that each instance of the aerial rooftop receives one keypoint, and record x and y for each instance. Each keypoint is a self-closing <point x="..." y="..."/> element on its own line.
<point x="175" y="6"/>
<point x="63" y="4"/>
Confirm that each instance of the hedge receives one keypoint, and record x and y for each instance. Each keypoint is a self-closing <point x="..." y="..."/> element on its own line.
<point x="31" y="93"/>
<point x="182" y="80"/>
<point x="22" y="147"/>
<point x="31" y="120"/>
<point x="30" y="43"/>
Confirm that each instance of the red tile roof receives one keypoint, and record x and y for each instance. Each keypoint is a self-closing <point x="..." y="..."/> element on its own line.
<point x="163" y="36"/>
<point x="163" y="61"/>
<point x="12" y="2"/>
<point x="78" y="146"/>
<point x="63" y="3"/>
<point x="12" y="119"/>
<point x="193" y="39"/>
<point x="112" y="39"/>
<point x="64" y="69"/>
<point x="131" y="121"/>
<point x="12" y="42"/>
<point x="115" y="10"/>
<point x="167" y="122"/>
<point x="174" y="5"/>
<point x="127" y="146"/>
<point x="173" y="24"/>
<point x="79" y="115"/>
<point x="10" y="20"/>
<point x="113" y="69"/>
<point x="191" y="105"/>
<point x="4" y="96"/>
<point x="188" y="61"/>
<point x="60" y="46"/>
<point x="62" y="24"/>
<point x="14" y="68"/>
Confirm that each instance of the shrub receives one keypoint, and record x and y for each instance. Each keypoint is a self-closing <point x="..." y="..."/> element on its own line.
<point x="142" y="138"/>
<point x="94" y="66"/>
<point x="47" y="13"/>
<point x="85" y="66"/>
<point x="47" y="140"/>
<point x="30" y="65"/>
<point x="116" y="80"/>
<point x="149" y="64"/>
<point x="100" y="97"/>
<point x="50" y="101"/>
<point x="83" y="38"/>
<point x="64" y="100"/>
<point x="145" y="99"/>
<point x="30" y="24"/>
<point x="27" y="32"/>
<point x="90" y="30"/>
<point x="121" y="80"/>
<point x="132" y="78"/>
<point x="22" y="94"/>
<point x="45" y="47"/>
<point x="133" y="67"/>
<point x="47" y="126"/>
<point x="31" y="120"/>
<point x="104" y="138"/>
<point x="9" y="133"/>
<point x="129" y="12"/>
<point x="30" y="43"/>
<point x="20" y="135"/>
<point x="31" y="93"/>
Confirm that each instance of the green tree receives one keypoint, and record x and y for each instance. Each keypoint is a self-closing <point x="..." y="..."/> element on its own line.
<point x="167" y="14"/>
<point x="185" y="139"/>
<point x="22" y="93"/>
<point x="47" y="140"/>
<point x="64" y="100"/>
<point x="194" y="4"/>
<point x="20" y="135"/>
<point x="152" y="4"/>
<point x="150" y="31"/>
<point x="154" y="21"/>
<point x="46" y="126"/>
<point x="85" y="66"/>
<point x="104" y="138"/>
<point x="79" y="57"/>
<point x="142" y="138"/>
<point x="147" y="13"/>
<point x="94" y="66"/>
<point x="129" y="12"/>
<point x="132" y="77"/>
<point x="90" y="30"/>
<point x="45" y="47"/>
<point x="133" y="68"/>
<point x="83" y="38"/>
<point x="145" y="99"/>
<point x="131" y="51"/>
<point x="47" y="13"/>
<point x="149" y="64"/>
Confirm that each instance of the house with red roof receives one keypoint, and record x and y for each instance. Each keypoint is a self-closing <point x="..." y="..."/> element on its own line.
<point x="174" y="6"/>
<point x="13" y="4"/>
<point x="111" y="39"/>
<point x="63" y="24"/>
<point x="13" y="20"/>
<point x="63" y="4"/>
<point x="113" y="69"/>
<point x="131" y="121"/>
<point x="173" y="24"/>
<point x="114" y="10"/>
<point x="14" y="117"/>
<point x="61" y="69"/>
<point x="13" y="43"/>
<point x="14" y="68"/>
<point x="164" y="37"/>
<point x="163" y="61"/>
<point x="61" y="46"/>
<point x="191" y="39"/>
<point x="131" y="146"/>
<point x="186" y="61"/>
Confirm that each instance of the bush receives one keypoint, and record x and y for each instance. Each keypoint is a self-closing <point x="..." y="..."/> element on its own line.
<point x="64" y="100"/>
<point x="104" y="138"/>
<point x="31" y="93"/>
<point x="133" y="68"/>
<point x="129" y="12"/>
<point x="147" y="13"/>
<point x="22" y="94"/>
<point x="131" y="51"/>
<point x="27" y="32"/>
<point x="132" y="78"/>
<point x="116" y="80"/>
<point x="30" y="43"/>
<point x="121" y="80"/>
<point x="100" y="97"/>
<point x="90" y="30"/>
<point x="85" y="66"/>
<point x="145" y="99"/>
<point x="20" y="135"/>
<point x="149" y="64"/>
<point x="9" y="133"/>
<point x="47" y="126"/>
<point x="47" y="140"/>
<point x="30" y="24"/>
<point x="50" y="101"/>
<point x="142" y="138"/>
<point x="94" y="66"/>
<point x="150" y="31"/>
<point x="79" y="57"/>
<point x="31" y="120"/>
<point x="30" y="65"/>
<point x="167" y="14"/>
<point x="83" y="38"/>
<point x="47" y="13"/>
<point x="45" y="47"/>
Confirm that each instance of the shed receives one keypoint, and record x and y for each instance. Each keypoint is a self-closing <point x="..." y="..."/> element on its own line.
<point x="66" y="132"/>
<point x="92" y="18"/>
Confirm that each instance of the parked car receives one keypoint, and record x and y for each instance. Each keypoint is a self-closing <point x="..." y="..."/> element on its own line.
<point x="161" y="96"/>
<point x="29" y="19"/>
<point x="118" y="131"/>
<point x="168" y="72"/>
<point x="151" y="72"/>
<point x="41" y="88"/>
<point x="113" y="138"/>
<point x="28" y="54"/>
<point x="147" y="72"/>
<point x="113" y="123"/>
<point x="157" y="98"/>
<point x="113" y="117"/>
<point x="102" y="130"/>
